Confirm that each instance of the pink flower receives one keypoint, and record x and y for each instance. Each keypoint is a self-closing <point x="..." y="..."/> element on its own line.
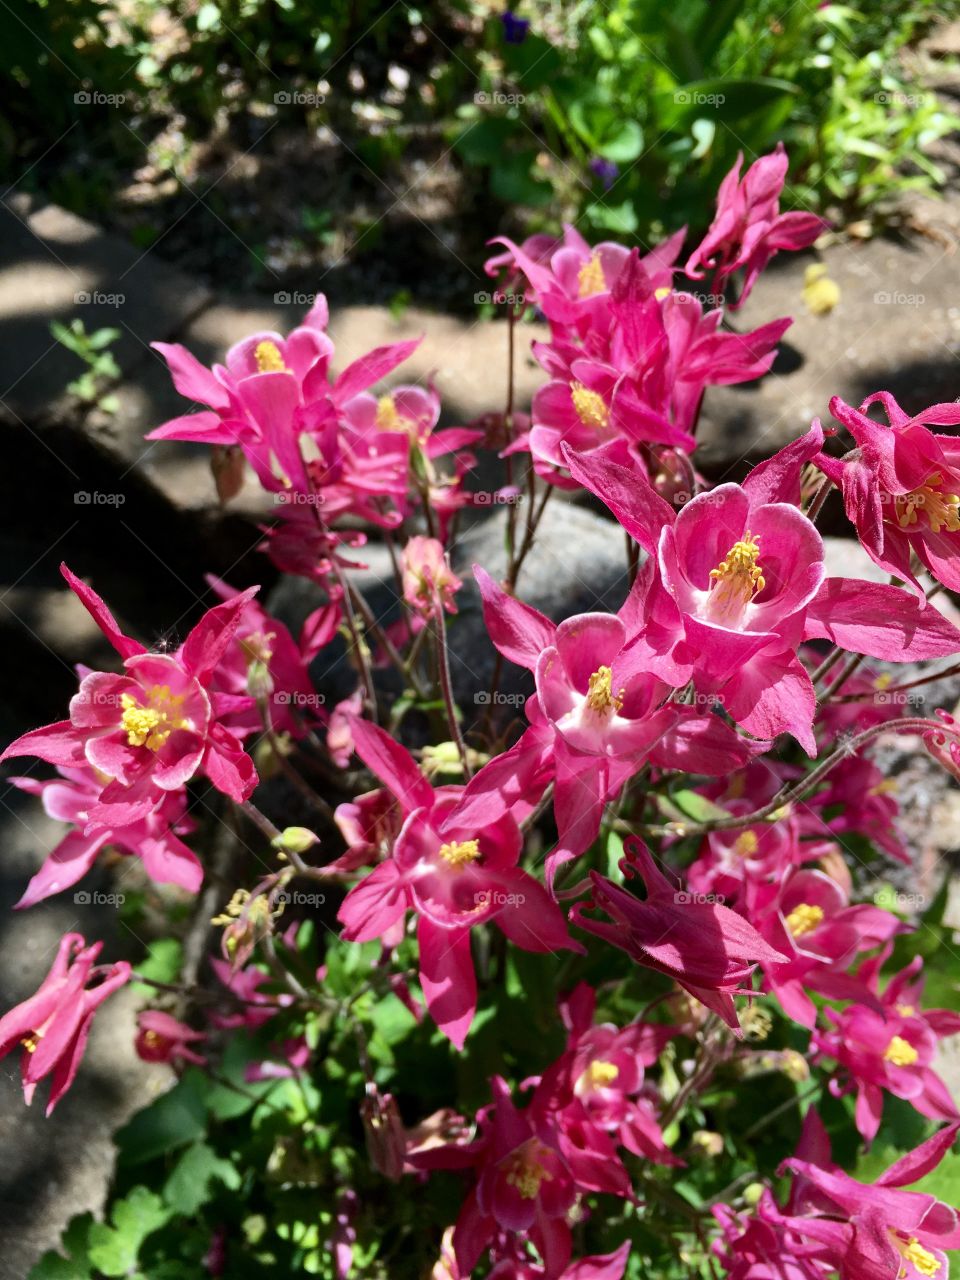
<point x="748" y="228"/>
<point x="429" y="584"/>
<point x="53" y="1025"/>
<point x="888" y="1044"/>
<point x="265" y="663"/>
<point x="872" y="1231"/>
<point x="153" y="728"/>
<point x="251" y="1007"/>
<point x="527" y="1180"/>
<point x="162" y="1038"/>
<point x="901" y="486"/>
<point x="288" y="1061"/>
<point x="704" y="946"/>
<point x="597" y="717"/>
<point x="154" y="839"/>
<point x="454" y="876"/>
<point x="601" y="1074"/>
<point x="739" y="581"/>
<point x="808" y="918"/>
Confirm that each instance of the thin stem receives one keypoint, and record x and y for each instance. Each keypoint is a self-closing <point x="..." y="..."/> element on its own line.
<point x="790" y="795"/>
<point x="818" y="499"/>
<point x="446" y="688"/>
<point x="844" y="676"/>
<point x="930" y="678"/>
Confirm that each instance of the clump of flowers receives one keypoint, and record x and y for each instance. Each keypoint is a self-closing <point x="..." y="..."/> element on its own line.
<point x="617" y="977"/>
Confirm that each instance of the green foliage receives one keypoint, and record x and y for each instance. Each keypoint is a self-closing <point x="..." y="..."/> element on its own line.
<point x="91" y="348"/>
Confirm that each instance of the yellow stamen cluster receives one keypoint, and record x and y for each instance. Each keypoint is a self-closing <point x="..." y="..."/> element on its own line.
<point x="590" y="277"/>
<point x="31" y="1041"/>
<point x="941" y="509"/>
<point x="900" y="1052"/>
<point x="912" y="1251"/>
<point x="602" y="1073"/>
<point x="268" y="358"/>
<point x="600" y="695"/>
<point x="589" y="406"/>
<point x="746" y="844"/>
<point x="389" y="417"/>
<point x="458" y="853"/>
<point x="738" y="575"/>
<point x="804" y="919"/>
<point x="150" y="724"/>
<point x="526" y="1173"/>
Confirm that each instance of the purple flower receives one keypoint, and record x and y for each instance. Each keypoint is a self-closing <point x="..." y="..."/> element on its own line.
<point x="605" y="170"/>
<point x="514" y="29"/>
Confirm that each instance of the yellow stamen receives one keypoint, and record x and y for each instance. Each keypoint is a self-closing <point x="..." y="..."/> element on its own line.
<point x="600" y="695"/>
<point x="389" y="417"/>
<point x="804" y="919"/>
<point x="589" y="406"/>
<point x="738" y="574"/>
<point x="941" y="509"/>
<point x="912" y="1251"/>
<point x="906" y="1010"/>
<point x="150" y="724"/>
<point x="460" y="852"/>
<point x="151" y="1039"/>
<point x="525" y="1172"/>
<point x="32" y="1041"/>
<point x="900" y="1052"/>
<point x="590" y="277"/>
<point x="663" y="292"/>
<point x="602" y="1073"/>
<point x="268" y="358"/>
<point x="756" y="1023"/>
<point x="745" y="845"/>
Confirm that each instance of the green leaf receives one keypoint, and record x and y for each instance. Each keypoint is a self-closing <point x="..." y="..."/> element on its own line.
<point x="188" y="1187"/>
<point x="532" y="63"/>
<point x="162" y="964"/>
<point x="728" y="99"/>
<point x="625" y="145"/>
<point x="690" y="804"/>
<point x="114" y="1249"/>
<point x="76" y="1266"/>
<point x="174" y="1119"/>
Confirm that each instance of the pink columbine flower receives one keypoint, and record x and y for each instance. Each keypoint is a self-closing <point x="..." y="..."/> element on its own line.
<point x="748" y="228"/>
<point x="888" y="1045"/>
<point x="808" y="917"/>
<point x="264" y="663"/>
<point x="454" y="876"/>
<point x="155" y="839"/>
<point x="597" y="717"/>
<point x="53" y="1025"/>
<point x="527" y="1181"/>
<point x="736" y="581"/>
<point x="704" y="946"/>
<point x="151" y="729"/>
<point x="871" y="1231"/>
<point x="601" y="1074"/>
<point x="901" y="486"/>
<point x="429" y="584"/>
<point x="163" y="1038"/>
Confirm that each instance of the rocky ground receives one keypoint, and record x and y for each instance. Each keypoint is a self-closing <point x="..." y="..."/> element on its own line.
<point x="142" y="521"/>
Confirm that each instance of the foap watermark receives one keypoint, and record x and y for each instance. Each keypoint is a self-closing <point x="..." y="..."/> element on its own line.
<point x="97" y="298"/>
<point x="686" y="897"/>
<point x="497" y="699"/>
<point x="297" y="498"/>
<point x="494" y="898"/>
<point x="694" y="98"/>
<point x="94" y="898"/>
<point x="96" y="498"/>
<point x="895" y="298"/>
<point x="497" y="99"/>
<point x="897" y="98"/>
<point x="299" y="98"/>
<point x="500" y="298"/>
<point x="94" y="98"/>
<point x="296" y="298"/>
<point x="496" y="498"/>
<point x="294" y="699"/>
<point x="294" y="898"/>
<point x="896" y="900"/>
